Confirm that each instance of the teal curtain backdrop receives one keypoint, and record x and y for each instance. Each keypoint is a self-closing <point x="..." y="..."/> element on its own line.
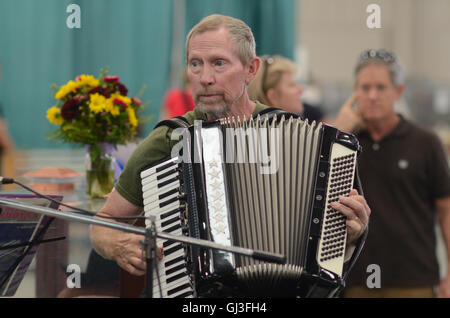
<point x="132" y="38"/>
<point x="37" y="49"/>
<point x="272" y="21"/>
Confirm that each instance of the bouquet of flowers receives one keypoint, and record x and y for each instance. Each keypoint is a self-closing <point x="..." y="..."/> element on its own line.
<point x="95" y="112"/>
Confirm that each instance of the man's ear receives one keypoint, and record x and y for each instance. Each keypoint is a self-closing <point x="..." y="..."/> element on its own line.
<point x="400" y="89"/>
<point x="252" y="69"/>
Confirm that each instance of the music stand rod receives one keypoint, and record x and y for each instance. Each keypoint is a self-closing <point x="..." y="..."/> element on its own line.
<point x="71" y="216"/>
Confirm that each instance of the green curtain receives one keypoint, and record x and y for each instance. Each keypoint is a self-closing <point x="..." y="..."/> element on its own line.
<point x="37" y="49"/>
<point x="272" y="21"/>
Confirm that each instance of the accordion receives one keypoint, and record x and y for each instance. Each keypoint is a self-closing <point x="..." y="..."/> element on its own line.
<point x="264" y="184"/>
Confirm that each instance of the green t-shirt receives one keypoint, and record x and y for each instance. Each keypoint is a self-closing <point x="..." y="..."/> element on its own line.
<point x="156" y="146"/>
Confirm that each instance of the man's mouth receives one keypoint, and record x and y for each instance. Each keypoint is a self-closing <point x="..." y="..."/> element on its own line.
<point x="208" y="95"/>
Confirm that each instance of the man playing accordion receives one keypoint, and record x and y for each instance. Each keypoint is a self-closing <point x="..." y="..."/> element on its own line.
<point x="221" y="62"/>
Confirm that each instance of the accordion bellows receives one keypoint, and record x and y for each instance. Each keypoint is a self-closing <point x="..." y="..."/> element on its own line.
<point x="272" y="186"/>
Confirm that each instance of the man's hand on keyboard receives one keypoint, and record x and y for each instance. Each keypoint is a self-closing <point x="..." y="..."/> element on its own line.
<point x="128" y="253"/>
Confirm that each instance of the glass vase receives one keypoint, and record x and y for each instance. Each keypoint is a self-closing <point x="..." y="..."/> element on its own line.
<point x="99" y="170"/>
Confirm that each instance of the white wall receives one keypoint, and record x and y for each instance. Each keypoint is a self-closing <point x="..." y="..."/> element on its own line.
<point x="333" y="33"/>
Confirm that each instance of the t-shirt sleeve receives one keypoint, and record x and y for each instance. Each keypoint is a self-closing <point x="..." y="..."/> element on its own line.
<point x="153" y="148"/>
<point x="439" y="169"/>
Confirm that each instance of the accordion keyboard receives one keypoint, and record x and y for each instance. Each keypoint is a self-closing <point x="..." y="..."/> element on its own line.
<point x="161" y="193"/>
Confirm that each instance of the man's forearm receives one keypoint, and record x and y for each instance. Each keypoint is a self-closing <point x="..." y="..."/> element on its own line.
<point x="102" y="239"/>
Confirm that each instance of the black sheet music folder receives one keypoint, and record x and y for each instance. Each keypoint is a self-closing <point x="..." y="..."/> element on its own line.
<point x="21" y="232"/>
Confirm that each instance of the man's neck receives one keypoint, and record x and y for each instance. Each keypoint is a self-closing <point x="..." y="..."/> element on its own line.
<point x="381" y="128"/>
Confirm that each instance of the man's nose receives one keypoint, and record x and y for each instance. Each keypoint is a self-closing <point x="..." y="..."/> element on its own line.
<point x="207" y="76"/>
<point x="373" y="93"/>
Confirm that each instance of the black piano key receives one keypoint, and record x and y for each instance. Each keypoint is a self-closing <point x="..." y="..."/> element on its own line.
<point x="173" y="228"/>
<point x="180" y="288"/>
<point x="162" y="184"/>
<point x="165" y="166"/>
<point x="168" y="243"/>
<point x="163" y="204"/>
<point x="171" y="250"/>
<point x="170" y="192"/>
<point x="169" y="213"/>
<point x="186" y="294"/>
<point x="175" y="269"/>
<point x="166" y="174"/>
<point x="176" y="277"/>
<point x="174" y="261"/>
<point x="170" y="221"/>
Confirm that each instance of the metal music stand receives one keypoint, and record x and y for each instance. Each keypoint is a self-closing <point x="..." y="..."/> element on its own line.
<point x="20" y="234"/>
<point x="150" y="235"/>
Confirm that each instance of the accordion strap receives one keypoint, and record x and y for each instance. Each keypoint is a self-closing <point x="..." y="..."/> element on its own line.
<point x="176" y="122"/>
<point x="271" y="112"/>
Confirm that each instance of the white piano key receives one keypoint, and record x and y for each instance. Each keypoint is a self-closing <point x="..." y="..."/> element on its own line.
<point x="155" y="203"/>
<point x="152" y="182"/>
<point x="153" y="169"/>
<point x="157" y="210"/>
<point x="161" y="196"/>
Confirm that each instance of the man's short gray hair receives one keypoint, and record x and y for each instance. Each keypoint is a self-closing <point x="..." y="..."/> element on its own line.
<point x="240" y="34"/>
<point x="383" y="58"/>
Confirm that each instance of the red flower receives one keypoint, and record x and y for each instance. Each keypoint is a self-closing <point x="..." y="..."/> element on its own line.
<point x="120" y="102"/>
<point x="101" y="90"/>
<point x="121" y="88"/>
<point x="70" y="110"/>
<point x="111" y="79"/>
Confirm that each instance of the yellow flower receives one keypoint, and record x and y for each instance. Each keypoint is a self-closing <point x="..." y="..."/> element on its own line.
<point x="54" y="115"/>
<point x="132" y="117"/>
<point x="111" y="108"/>
<point x="71" y="86"/>
<point x="97" y="103"/>
<point x="88" y="80"/>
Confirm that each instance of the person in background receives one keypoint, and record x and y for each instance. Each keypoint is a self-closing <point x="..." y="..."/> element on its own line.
<point x="275" y="85"/>
<point x="406" y="180"/>
<point x="178" y="102"/>
<point x="7" y="149"/>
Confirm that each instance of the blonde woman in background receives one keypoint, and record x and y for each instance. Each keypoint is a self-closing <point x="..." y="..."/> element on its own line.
<point x="275" y="85"/>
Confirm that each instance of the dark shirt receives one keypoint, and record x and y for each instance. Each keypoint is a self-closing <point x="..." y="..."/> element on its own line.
<point x="312" y="113"/>
<point x="402" y="175"/>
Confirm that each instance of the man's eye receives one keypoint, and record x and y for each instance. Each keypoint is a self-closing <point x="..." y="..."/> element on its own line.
<point x="195" y="63"/>
<point x="220" y="62"/>
<point x="365" y="88"/>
